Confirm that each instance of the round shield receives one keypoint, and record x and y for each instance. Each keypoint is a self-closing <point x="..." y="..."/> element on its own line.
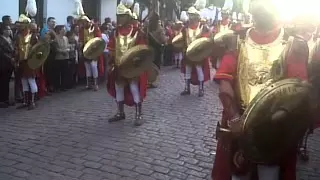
<point x="136" y="60"/>
<point x="199" y="49"/>
<point x="153" y="73"/>
<point x="276" y="120"/>
<point x="94" y="48"/>
<point x="38" y="55"/>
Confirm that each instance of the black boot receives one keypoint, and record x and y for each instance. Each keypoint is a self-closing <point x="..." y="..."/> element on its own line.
<point x="95" y="84"/>
<point x="186" y="90"/>
<point x="120" y="114"/>
<point x="25" y="102"/>
<point x="32" y="103"/>
<point x="138" y="119"/>
<point x="152" y="86"/>
<point x="201" y="89"/>
<point x="88" y="82"/>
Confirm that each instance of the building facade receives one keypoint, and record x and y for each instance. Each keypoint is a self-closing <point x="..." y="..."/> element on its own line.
<point x="60" y="9"/>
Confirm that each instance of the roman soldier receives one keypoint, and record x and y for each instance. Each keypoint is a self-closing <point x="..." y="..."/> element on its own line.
<point x="224" y="24"/>
<point x="89" y="30"/>
<point x="129" y="91"/>
<point x="245" y="72"/>
<point x="24" y="42"/>
<point x="178" y="55"/>
<point x="196" y="73"/>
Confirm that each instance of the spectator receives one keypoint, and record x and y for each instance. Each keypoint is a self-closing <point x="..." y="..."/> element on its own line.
<point x="70" y="22"/>
<point x="49" y="69"/>
<point x="62" y="57"/>
<point x="106" y="22"/>
<point x="51" y="23"/>
<point x="7" y="21"/>
<point x="73" y="39"/>
<point x="6" y="64"/>
<point x="105" y="36"/>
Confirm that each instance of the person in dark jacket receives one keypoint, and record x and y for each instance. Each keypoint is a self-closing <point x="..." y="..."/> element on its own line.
<point x="6" y="63"/>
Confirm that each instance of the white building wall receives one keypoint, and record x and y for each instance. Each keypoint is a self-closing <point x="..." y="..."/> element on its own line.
<point x="108" y="9"/>
<point x="11" y="8"/>
<point x="60" y="9"/>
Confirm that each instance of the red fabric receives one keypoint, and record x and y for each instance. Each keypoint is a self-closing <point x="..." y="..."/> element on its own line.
<point x="42" y="84"/>
<point x="228" y="67"/>
<point x="143" y="80"/>
<point x="227" y="71"/>
<point x="170" y="33"/>
<point x="194" y="74"/>
<point x="128" y="98"/>
<point x="101" y="64"/>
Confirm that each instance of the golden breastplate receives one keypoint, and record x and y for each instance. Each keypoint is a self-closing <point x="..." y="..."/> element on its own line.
<point x="123" y="44"/>
<point x="24" y="46"/>
<point x="223" y="28"/>
<point x="88" y="35"/>
<point x="254" y="66"/>
<point x="193" y="34"/>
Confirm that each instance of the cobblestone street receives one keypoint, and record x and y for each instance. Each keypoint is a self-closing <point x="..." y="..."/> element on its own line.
<point x="68" y="137"/>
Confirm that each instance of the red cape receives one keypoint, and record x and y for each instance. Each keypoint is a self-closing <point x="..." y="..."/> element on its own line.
<point x="194" y="74"/>
<point x="143" y="80"/>
<point x="296" y="67"/>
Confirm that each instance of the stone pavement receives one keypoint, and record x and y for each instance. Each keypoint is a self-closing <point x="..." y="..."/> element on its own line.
<point x="68" y="137"/>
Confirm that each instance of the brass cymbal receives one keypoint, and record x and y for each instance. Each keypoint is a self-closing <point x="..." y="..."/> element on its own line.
<point x="220" y="38"/>
<point x="135" y="54"/>
<point x="136" y="60"/>
<point x="38" y="54"/>
<point x="277" y="119"/>
<point x="178" y="42"/>
<point x="94" y="48"/>
<point x="199" y="49"/>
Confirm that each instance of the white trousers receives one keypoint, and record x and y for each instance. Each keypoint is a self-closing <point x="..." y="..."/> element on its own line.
<point x="134" y="90"/>
<point x="264" y="173"/>
<point x="178" y="57"/>
<point x="91" y="69"/>
<point x="29" y="84"/>
<point x="199" y="72"/>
